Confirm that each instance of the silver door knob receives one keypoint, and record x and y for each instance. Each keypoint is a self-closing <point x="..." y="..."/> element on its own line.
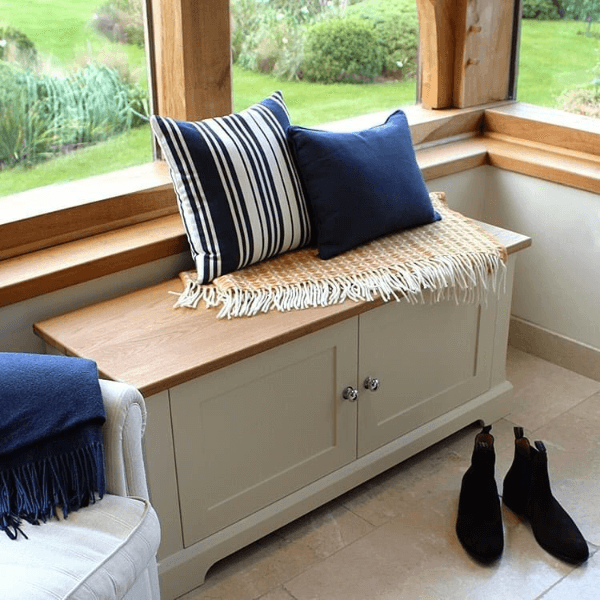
<point x="371" y="384"/>
<point x="350" y="393"/>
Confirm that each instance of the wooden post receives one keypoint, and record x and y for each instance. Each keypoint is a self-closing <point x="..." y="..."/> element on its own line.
<point x="466" y="51"/>
<point x="437" y="42"/>
<point x="484" y="30"/>
<point x="192" y="50"/>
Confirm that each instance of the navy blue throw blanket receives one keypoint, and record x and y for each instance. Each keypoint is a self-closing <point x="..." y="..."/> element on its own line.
<point x="51" y="451"/>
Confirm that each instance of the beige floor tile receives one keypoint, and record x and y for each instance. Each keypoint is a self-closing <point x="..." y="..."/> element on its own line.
<point x="278" y="594"/>
<point x="543" y="390"/>
<point x="382" y="498"/>
<point x="266" y="564"/>
<point x="590" y="409"/>
<point x="417" y="555"/>
<point x="325" y="530"/>
<point x="582" y="584"/>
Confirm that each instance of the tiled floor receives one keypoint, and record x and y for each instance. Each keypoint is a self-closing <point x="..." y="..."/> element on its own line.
<point x="393" y="537"/>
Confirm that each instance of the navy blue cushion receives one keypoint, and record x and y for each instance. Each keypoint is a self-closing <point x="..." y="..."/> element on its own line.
<point x="361" y="185"/>
<point x="238" y="189"/>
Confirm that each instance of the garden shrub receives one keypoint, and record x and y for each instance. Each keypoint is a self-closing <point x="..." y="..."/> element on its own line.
<point x="581" y="101"/>
<point x="547" y="10"/>
<point x="245" y="21"/>
<point x="121" y="21"/>
<point x="16" y="47"/>
<point x="342" y="50"/>
<point x="582" y="10"/>
<point x="397" y="26"/>
<point x="310" y="8"/>
<point x="26" y="131"/>
<point x="258" y="30"/>
<point x="586" y="11"/>
<point x="269" y="36"/>
<point x="9" y="81"/>
<point x="280" y="50"/>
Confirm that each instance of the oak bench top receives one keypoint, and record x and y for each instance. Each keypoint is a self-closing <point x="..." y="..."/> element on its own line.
<point x="140" y="339"/>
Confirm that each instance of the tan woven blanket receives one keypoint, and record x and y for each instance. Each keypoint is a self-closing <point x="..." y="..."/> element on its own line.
<point x="450" y="259"/>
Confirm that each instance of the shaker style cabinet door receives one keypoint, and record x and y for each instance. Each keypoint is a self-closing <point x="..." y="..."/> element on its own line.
<point x="422" y="361"/>
<point x="252" y="433"/>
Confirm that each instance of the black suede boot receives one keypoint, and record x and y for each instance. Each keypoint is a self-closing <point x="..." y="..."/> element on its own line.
<point x="479" y="522"/>
<point x="527" y="492"/>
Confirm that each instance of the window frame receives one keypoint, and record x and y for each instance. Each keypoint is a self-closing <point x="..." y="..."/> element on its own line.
<point x="129" y="218"/>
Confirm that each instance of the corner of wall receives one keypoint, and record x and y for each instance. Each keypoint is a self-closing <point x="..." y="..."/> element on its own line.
<point x="556" y="286"/>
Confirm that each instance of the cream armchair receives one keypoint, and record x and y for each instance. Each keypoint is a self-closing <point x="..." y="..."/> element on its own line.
<point x="106" y="551"/>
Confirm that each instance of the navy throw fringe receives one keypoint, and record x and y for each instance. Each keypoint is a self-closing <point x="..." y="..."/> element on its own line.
<point x="61" y="466"/>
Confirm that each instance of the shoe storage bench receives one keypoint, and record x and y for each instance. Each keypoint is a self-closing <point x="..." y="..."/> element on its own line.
<point x="248" y="427"/>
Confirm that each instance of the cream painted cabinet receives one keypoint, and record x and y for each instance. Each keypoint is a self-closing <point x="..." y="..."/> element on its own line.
<point x="247" y="425"/>
<point x="257" y="431"/>
<point x="421" y="361"/>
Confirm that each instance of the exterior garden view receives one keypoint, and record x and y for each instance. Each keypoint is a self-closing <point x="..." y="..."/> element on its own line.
<point x="74" y="86"/>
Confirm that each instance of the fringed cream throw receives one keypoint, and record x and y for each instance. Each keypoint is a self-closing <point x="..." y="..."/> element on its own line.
<point x="450" y="259"/>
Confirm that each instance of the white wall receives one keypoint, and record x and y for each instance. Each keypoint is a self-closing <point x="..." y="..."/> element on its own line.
<point x="557" y="280"/>
<point x="465" y="192"/>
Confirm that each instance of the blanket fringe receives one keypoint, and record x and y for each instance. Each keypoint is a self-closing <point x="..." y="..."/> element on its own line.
<point x="33" y="491"/>
<point x="465" y="278"/>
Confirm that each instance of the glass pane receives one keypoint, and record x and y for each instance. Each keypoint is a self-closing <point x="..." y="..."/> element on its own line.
<point x="559" y="63"/>
<point x="332" y="59"/>
<point x="73" y="90"/>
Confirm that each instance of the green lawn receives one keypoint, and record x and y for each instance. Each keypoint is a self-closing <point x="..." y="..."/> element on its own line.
<point x="553" y="57"/>
<point x="61" y="31"/>
<point x="313" y="103"/>
<point x="125" y="150"/>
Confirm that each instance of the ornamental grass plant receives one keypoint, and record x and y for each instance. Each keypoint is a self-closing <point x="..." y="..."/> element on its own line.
<point x="43" y="114"/>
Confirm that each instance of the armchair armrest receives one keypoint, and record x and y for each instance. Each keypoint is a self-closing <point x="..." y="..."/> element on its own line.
<point x="122" y="433"/>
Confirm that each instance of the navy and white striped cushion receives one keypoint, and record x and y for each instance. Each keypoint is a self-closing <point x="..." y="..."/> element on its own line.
<point x="238" y="189"/>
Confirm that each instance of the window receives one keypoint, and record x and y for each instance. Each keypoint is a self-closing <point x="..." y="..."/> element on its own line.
<point x="73" y="92"/>
<point x="319" y="53"/>
<point x="466" y="60"/>
<point x="559" y="63"/>
<point x="192" y="80"/>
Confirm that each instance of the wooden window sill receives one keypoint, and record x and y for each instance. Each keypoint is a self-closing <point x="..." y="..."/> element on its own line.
<point x="61" y="266"/>
<point x="565" y="168"/>
<point x="60" y="213"/>
<point x="447" y="142"/>
<point x="545" y="126"/>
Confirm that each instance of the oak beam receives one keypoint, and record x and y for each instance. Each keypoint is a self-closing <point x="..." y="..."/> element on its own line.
<point x="193" y="58"/>
<point x="483" y="52"/>
<point x="436" y="47"/>
<point x="466" y="51"/>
